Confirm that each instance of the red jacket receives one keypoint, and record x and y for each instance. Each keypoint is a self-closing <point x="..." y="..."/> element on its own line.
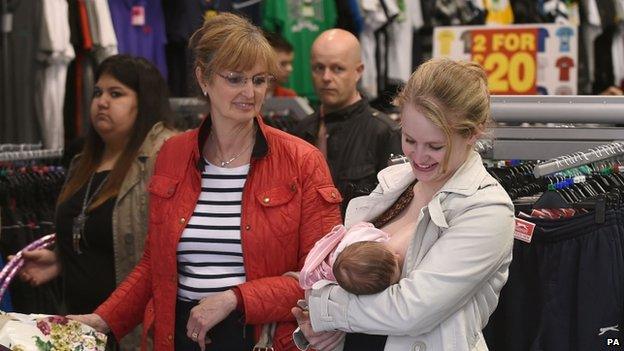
<point x="289" y="202"/>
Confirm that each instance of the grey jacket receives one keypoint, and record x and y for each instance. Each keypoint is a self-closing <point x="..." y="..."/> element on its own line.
<point x="454" y="269"/>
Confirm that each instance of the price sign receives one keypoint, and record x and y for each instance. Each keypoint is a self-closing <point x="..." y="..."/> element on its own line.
<point x="509" y="57"/>
<point x="518" y="59"/>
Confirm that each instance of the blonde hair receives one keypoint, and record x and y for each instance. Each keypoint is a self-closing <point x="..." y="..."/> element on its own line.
<point x="365" y="267"/>
<point x="229" y="42"/>
<point x="453" y="95"/>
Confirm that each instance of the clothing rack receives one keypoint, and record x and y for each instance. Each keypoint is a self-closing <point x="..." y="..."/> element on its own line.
<point x="26" y="155"/>
<point x="578" y="159"/>
<point x="185" y="106"/>
<point x="20" y="147"/>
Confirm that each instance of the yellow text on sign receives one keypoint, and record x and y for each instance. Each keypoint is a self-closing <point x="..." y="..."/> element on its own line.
<point x="508" y="61"/>
<point x="506" y="41"/>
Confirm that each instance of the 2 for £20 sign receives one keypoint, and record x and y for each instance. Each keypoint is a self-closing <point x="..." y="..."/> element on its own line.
<point x="519" y="59"/>
<point x="509" y="56"/>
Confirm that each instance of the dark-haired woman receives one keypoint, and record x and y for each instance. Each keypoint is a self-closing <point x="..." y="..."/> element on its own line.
<point x="101" y="216"/>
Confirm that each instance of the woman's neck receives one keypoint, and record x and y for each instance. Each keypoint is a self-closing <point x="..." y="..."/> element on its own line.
<point x="229" y="140"/>
<point x="112" y="152"/>
<point x="424" y="191"/>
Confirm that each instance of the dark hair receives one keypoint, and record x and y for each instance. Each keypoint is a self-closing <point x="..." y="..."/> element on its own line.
<point x="146" y="81"/>
<point x="365" y="267"/>
<point x="278" y="42"/>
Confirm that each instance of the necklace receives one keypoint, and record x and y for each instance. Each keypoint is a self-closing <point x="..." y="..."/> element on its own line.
<point x="80" y="220"/>
<point x="224" y="163"/>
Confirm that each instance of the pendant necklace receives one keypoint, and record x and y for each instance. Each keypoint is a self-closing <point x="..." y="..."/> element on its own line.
<point x="80" y="220"/>
<point x="227" y="162"/>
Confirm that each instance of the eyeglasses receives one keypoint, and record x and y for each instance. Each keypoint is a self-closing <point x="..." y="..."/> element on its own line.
<point x="237" y="80"/>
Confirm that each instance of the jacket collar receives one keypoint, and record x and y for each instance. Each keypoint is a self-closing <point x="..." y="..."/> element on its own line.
<point x="148" y="148"/>
<point x="393" y="180"/>
<point x="260" y="148"/>
<point x="345" y="113"/>
<point x="468" y="178"/>
<point x="465" y="181"/>
<point x="352" y="111"/>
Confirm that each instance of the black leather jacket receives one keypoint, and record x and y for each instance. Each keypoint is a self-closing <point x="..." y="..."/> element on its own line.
<point x="359" y="144"/>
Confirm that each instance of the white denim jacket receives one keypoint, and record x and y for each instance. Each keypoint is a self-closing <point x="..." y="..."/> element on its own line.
<point x="454" y="269"/>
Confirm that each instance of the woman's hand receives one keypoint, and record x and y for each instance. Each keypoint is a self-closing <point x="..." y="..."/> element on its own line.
<point x="323" y="341"/>
<point x="40" y="266"/>
<point x="209" y="312"/>
<point x="93" y="320"/>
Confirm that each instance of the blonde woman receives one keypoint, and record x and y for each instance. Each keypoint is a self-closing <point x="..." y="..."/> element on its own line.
<point x="454" y="221"/>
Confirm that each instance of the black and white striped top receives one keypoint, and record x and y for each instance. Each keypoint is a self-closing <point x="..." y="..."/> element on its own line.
<point x="209" y="253"/>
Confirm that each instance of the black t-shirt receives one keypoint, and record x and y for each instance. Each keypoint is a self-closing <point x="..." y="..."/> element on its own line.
<point x="89" y="277"/>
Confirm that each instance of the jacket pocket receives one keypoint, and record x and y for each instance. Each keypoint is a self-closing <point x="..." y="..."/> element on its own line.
<point x="280" y="206"/>
<point x="161" y="189"/>
<point x="330" y="194"/>
<point x="278" y="195"/>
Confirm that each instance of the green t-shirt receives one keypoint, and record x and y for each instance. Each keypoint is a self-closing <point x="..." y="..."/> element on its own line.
<point x="300" y="22"/>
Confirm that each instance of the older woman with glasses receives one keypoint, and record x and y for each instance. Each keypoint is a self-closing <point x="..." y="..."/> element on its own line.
<point x="234" y="205"/>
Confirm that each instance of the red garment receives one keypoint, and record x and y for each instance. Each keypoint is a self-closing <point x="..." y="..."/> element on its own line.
<point x="87" y="41"/>
<point x="289" y="202"/>
<point x="283" y="92"/>
<point x="565" y="64"/>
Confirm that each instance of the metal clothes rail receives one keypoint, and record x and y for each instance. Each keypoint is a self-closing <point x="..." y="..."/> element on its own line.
<point x="20" y="147"/>
<point x="558" y="125"/>
<point x="578" y="159"/>
<point x="557" y="108"/>
<point x="26" y="155"/>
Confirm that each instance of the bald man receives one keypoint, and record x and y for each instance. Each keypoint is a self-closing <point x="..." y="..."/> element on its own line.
<point x="356" y="139"/>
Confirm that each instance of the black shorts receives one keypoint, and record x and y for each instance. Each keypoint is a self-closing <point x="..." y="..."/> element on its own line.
<point x="565" y="288"/>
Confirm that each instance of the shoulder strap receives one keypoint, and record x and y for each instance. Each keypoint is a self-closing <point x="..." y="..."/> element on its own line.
<point x="399" y="205"/>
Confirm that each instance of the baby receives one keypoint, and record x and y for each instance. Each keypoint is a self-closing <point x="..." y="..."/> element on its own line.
<point x="358" y="259"/>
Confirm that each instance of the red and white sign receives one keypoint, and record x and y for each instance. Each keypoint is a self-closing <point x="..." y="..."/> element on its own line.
<point x="524" y="230"/>
<point x="519" y="59"/>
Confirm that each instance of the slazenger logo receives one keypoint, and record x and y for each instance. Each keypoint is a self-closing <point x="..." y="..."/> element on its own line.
<point x="614" y="328"/>
<point x="522" y="228"/>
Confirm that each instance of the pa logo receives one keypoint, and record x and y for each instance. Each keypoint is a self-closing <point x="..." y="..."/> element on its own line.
<point x="611" y="329"/>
